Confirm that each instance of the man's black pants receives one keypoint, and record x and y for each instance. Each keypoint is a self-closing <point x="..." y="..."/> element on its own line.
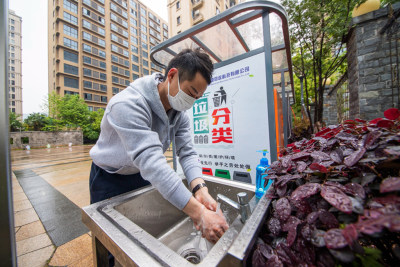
<point x="103" y="185"/>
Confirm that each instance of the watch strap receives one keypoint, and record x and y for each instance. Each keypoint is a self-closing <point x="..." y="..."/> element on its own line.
<point x="197" y="187"/>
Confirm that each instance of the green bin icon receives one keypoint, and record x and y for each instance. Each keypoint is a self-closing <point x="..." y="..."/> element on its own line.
<point x="223" y="174"/>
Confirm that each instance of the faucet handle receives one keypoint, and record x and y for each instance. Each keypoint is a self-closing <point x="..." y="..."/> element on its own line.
<point x="242" y="198"/>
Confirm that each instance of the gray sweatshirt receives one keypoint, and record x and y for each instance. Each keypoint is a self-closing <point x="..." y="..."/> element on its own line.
<point x="135" y="133"/>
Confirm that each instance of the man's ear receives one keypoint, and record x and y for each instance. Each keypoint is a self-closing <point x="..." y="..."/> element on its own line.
<point x="172" y="72"/>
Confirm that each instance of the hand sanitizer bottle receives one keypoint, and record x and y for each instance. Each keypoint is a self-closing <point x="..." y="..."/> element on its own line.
<point x="261" y="168"/>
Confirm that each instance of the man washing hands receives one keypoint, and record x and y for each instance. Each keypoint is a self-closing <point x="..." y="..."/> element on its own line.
<point x="139" y="125"/>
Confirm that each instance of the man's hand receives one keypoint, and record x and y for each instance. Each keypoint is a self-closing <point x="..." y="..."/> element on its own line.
<point x="203" y="196"/>
<point x="206" y="199"/>
<point x="211" y="224"/>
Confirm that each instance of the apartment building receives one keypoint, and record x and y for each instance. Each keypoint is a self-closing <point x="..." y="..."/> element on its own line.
<point x="184" y="14"/>
<point x="15" y="62"/>
<point x="98" y="47"/>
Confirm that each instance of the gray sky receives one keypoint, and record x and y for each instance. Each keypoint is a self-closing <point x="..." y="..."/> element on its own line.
<point x="34" y="48"/>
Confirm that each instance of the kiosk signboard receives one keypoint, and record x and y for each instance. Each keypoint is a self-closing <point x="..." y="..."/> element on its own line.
<point x="230" y="122"/>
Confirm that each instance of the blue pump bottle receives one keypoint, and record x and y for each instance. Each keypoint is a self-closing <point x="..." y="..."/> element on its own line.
<point x="261" y="168"/>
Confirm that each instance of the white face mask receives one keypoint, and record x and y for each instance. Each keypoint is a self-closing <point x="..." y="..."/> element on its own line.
<point x="181" y="101"/>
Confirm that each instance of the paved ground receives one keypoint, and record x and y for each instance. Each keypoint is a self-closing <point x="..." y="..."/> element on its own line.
<point x="49" y="188"/>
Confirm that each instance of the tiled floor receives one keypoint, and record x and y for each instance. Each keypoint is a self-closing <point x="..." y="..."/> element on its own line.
<point x="66" y="169"/>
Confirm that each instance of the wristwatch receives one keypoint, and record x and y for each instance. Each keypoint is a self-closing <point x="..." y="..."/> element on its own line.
<point x="197" y="187"/>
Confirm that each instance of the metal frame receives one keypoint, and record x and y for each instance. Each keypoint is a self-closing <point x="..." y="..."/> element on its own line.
<point x="255" y="9"/>
<point x="7" y="233"/>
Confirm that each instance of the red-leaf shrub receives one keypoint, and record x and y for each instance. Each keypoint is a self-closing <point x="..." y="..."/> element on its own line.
<point x="392" y="114"/>
<point x="335" y="198"/>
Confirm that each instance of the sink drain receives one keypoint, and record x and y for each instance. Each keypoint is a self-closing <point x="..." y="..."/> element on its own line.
<point x="192" y="256"/>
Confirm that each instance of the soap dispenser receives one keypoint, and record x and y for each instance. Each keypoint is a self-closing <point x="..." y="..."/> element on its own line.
<point x="260" y="170"/>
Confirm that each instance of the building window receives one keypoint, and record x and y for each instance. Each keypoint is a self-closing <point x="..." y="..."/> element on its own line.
<point x="142" y="11"/>
<point x="87" y="36"/>
<point x="134" y="49"/>
<point x="135" y="76"/>
<point x="145" y="54"/>
<point x="133" y="31"/>
<point x="217" y="11"/>
<point x="71" y="19"/>
<point x="133" y="4"/>
<point x="70" y="31"/>
<point x="87" y="96"/>
<point x="87" y="84"/>
<point x="12" y="21"/>
<point x="86" y="24"/>
<point x="178" y="20"/>
<point x="144" y="45"/>
<point x="145" y="72"/>
<point x="90" y="108"/>
<point x="70" y="56"/>
<point x="145" y="63"/>
<point x="134" y="40"/>
<point x="114" y="58"/>
<point x="135" y="67"/>
<point x="178" y="5"/>
<point x="87" y="60"/>
<point x="70" y="6"/>
<point x="102" y="54"/>
<point x="143" y="20"/>
<point x="115" y="90"/>
<point x="144" y="29"/>
<point x="71" y="82"/>
<point x="103" y="99"/>
<point x="70" y="69"/>
<point x="103" y="87"/>
<point x="135" y="58"/>
<point x="87" y="72"/>
<point x="133" y="22"/>
<point x="103" y="76"/>
<point x="102" y="42"/>
<point x="71" y="44"/>
<point x="87" y="48"/>
<point x="144" y="37"/>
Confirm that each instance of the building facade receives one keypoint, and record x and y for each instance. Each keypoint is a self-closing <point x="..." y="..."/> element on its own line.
<point x="15" y="62"/>
<point x="183" y="14"/>
<point x="98" y="47"/>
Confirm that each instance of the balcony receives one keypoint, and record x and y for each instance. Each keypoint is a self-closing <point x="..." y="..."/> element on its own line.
<point x="197" y="3"/>
<point x="197" y="18"/>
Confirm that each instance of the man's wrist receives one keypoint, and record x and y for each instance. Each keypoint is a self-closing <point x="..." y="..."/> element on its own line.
<point x="198" y="187"/>
<point x="195" y="182"/>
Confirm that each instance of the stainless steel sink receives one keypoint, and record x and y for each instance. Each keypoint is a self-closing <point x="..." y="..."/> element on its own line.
<point x="142" y="228"/>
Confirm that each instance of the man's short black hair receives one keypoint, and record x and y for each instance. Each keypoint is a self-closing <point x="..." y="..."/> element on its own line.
<point x="189" y="62"/>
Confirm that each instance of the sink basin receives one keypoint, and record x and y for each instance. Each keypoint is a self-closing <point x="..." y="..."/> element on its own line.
<point x="142" y="228"/>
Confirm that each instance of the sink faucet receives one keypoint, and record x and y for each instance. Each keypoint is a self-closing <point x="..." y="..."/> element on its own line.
<point x="243" y="206"/>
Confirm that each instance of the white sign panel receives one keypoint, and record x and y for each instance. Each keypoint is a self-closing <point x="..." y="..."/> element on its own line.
<point x="230" y="122"/>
